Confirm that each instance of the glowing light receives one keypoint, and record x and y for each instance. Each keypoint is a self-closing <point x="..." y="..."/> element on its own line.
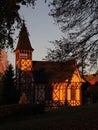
<point x="59" y="92"/>
<point x="3" y="61"/>
<point x="78" y="94"/>
<point x="70" y="92"/>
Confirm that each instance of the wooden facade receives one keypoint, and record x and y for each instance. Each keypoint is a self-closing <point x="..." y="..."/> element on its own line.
<point x="53" y="83"/>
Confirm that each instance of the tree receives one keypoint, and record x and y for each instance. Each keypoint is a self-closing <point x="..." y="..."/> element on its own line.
<point x="10" y="20"/>
<point x="9" y="90"/>
<point x="79" y="22"/>
<point x="85" y="94"/>
<point x="62" y="51"/>
<point x="1" y="89"/>
<point x="93" y="90"/>
<point x="65" y="50"/>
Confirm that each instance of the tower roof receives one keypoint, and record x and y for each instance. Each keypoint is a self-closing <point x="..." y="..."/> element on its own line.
<point x="24" y="42"/>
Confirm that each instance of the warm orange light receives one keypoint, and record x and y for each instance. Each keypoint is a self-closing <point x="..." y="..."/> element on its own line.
<point x="70" y="92"/>
<point x="59" y="93"/>
<point x="78" y="94"/>
<point x="3" y="61"/>
<point x="24" y="64"/>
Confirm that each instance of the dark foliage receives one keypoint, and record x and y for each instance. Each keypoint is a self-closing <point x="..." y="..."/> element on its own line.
<point x="19" y="111"/>
<point x="61" y="52"/>
<point x="85" y="93"/>
<point x="93" y="91"/>
<point x="10" y="95"/>
<point x="10" y="20"/>
<point x="79" y="22"/>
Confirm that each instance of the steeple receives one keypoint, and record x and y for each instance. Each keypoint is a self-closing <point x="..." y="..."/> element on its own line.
<point x="24" y="42"/>
<point x="23" y="62"/>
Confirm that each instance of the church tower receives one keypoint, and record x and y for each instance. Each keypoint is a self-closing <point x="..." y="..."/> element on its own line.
<point x="24" y="68"/>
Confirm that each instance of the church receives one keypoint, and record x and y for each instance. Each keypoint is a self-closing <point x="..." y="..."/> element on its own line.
<point x="52" y="83"/>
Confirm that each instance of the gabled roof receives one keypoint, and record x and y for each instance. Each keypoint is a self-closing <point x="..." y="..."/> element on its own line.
<point x="51" y="72"/>
<point x="92" y="79"/>
<point x="23" y="42"/>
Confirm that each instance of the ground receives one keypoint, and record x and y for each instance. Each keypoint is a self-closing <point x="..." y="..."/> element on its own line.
<point x="67" y="118"/>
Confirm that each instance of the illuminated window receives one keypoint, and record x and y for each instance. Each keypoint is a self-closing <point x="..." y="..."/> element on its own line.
<point x="26" y="64"/>
<point x="73" y="93"/>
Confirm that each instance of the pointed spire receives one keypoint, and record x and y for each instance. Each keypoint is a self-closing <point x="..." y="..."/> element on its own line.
<point x="24" y="42"/>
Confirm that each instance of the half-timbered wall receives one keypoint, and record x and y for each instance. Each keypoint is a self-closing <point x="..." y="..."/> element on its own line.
<point x="58" y="94"/>
<point x="74" y="94"/>
<point x="39" y="92"/>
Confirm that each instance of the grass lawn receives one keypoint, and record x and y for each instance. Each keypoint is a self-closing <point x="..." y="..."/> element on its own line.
<point x="68" y="118"/>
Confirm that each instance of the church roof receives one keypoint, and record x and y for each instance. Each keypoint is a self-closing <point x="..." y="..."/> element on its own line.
<point x="92" y="79"/>
<point x="24" y="42"/>
<point x="51" y="72"/>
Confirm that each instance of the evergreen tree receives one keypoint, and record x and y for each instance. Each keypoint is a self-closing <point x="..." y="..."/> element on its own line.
<point x="1" y="89"/>
<point x="9" y="90"/>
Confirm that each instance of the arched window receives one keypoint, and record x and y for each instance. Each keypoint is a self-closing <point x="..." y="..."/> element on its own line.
<point x="73" y="92"/>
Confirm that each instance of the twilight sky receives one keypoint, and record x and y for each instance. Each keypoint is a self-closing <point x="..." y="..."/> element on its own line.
<point x="41" y="29"/>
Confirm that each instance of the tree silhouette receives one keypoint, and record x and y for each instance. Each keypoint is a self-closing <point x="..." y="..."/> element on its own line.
<point x="9" y="90"/>
<point x="79" y="23"/>
<point x="93" y="90"/>
<point x="61" y="52"/>
<point x="10" y="20"/>
<point x="1" y="89"/>
<point x="85" y="93"/>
